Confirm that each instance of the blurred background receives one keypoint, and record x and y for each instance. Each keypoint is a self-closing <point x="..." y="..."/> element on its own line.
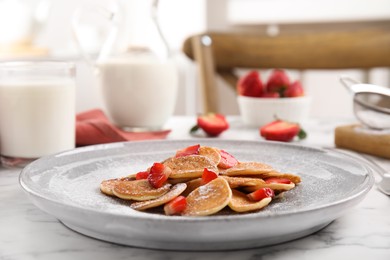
<point x="41" y="29"/>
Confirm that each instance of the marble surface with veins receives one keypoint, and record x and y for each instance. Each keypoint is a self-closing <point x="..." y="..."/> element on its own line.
<point x="26" y="232"/>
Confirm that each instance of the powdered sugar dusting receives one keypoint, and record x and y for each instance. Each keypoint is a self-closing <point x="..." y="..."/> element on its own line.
<point x="204" y="192"/>
<point x="74" y="179"/>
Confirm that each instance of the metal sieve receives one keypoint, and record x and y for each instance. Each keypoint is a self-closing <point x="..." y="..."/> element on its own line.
<point x="371" y="103"/>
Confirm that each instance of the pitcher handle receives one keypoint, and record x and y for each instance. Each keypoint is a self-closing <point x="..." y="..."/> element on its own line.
<point x="348" y="82"/>
<point x="156" y="21"/>
<point x="110" y="16"/>
<point x="41" y="13"/>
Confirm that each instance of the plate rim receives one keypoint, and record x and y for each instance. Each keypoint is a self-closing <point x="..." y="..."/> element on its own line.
<point x="365" y="186"/>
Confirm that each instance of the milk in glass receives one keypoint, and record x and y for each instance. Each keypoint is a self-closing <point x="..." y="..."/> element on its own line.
<point x="37" y="111"/>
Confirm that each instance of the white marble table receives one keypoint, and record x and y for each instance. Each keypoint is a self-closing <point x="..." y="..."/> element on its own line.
<point x="26" y="232"/>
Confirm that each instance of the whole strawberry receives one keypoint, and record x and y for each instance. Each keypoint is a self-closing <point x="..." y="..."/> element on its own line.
<point x="250" y="85"/>
<point x="212" y="124"/>
<point x="278" y="82"/>
<point x="294" y="90"/>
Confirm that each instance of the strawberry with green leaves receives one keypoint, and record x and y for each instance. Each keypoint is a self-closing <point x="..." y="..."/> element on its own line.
<point x="278" y="82"/>
<point x="282" y="131"/>
<point x="278" y="85"/>
<point x="212" y="124"/>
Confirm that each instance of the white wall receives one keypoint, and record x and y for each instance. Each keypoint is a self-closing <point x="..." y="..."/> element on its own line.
<point x="305" y="11"/>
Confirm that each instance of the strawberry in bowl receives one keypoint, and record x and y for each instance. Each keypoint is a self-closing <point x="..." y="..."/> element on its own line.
<point x="278" y="82"/>
<point x="250" y="85"/>
<point x="280" y="97"/>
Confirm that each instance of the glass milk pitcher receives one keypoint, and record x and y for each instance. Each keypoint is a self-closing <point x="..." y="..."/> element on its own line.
<point x="137" y="74"/>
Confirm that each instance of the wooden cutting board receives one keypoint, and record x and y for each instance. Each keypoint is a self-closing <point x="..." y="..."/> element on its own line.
<point x="361" y="139"/>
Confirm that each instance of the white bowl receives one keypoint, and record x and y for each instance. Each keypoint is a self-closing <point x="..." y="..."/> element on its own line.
<point x="257" y="112"/>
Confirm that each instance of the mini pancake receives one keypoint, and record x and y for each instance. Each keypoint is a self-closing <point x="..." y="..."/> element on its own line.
<point x="131" y="176"/>
<point x="248" y="169"/>
<point x="139" y="190"/>
<point x="208" y="199"/>
<point x="190" y="166"/>
<point x="107" y="186"/>
<point x="180" y="180"/>
<point x="166" y="160"/>
<point x="192" y="185"/>
<point x="211" y="153"/>
<point x="241" y="203"/>
<point x="235" y="182"/>
<point x="274" y="174"/>
<point x="170" y="195"/>
<point x="292" y="177"/>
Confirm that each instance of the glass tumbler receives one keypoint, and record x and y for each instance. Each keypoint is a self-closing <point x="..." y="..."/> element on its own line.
<point x="37" y="110"/>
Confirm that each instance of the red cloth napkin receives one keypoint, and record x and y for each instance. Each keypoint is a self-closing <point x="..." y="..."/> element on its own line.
<point x="93" y="127"/>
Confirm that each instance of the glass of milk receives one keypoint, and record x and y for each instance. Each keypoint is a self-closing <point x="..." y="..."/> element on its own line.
<point x="37" y="110"/>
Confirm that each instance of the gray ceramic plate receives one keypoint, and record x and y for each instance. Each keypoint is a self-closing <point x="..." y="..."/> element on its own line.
<point x="66" y="185"/>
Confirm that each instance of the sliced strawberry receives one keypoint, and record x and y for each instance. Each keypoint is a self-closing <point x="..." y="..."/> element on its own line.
<point x="227" y="160"/>
<point x="294" y="90"/>
<point x="250" y="85"/>
<point x="277" y="180"/>
<point x="278" y="82"/>
<point x="208" y="176"/>
<point x="175" y="206"/>
<point x="158" y="175"/>
<point x="141" y="175"/>
<point x="261" y="193"/>
<point x="190" y="150"/>
<point x="283" y="131"/>
<point x="213" y="124"/>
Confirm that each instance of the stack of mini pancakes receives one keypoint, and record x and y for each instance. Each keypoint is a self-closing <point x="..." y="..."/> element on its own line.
<point x="228" y="190"/>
